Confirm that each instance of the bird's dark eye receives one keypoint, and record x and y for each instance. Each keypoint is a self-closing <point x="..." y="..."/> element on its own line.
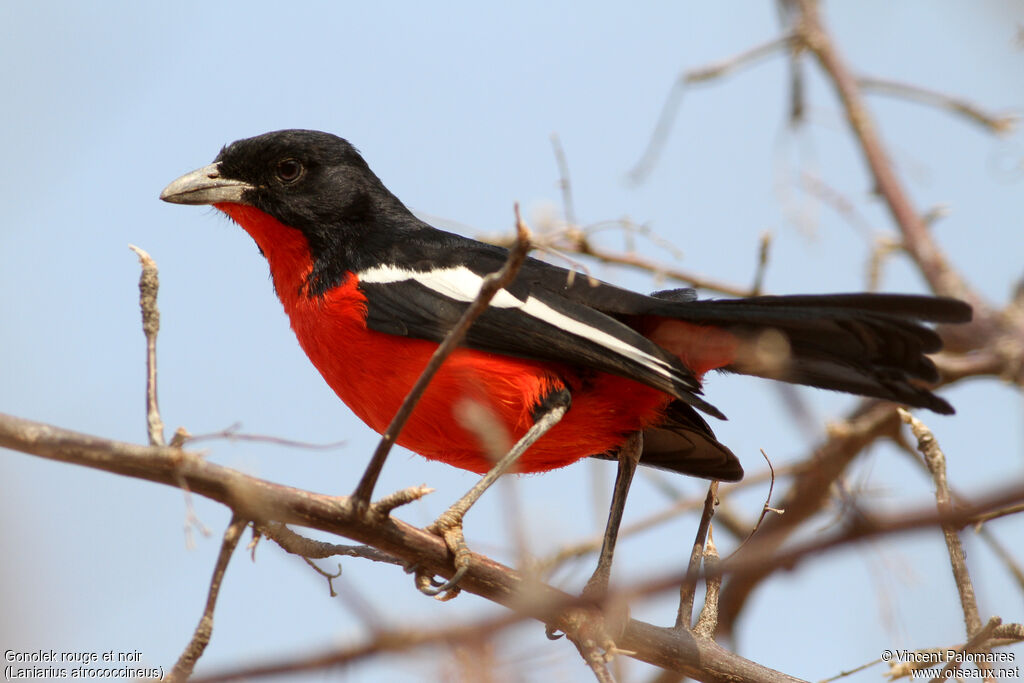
<point x="288" y="170"/>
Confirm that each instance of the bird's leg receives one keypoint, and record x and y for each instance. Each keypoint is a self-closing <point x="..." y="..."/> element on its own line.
<point x="597" y="586"/>
<point x="629" y="457"/>
<point x="449" y="524"/>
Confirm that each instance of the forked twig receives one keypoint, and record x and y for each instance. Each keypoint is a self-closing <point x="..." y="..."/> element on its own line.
<point x="687" y="591"/>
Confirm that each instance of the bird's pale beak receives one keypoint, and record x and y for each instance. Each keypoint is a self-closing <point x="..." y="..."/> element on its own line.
<point x="205" y="186"/>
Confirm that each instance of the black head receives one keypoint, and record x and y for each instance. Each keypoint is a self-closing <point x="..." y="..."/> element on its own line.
<point x="306" y="179"/>
<point x="311" y="181"/>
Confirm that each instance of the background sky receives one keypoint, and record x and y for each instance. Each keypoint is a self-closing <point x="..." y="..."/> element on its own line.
<point x="453" y="107"/>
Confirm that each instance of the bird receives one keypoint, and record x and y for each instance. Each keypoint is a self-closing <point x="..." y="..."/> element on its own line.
<point x="370" y="291"/>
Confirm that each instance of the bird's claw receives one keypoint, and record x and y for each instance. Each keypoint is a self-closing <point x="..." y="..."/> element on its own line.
<point x="449" y="527"/>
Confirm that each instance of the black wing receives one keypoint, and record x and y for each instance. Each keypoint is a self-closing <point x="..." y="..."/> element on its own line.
<point x="547" y="314"/>
<point x="869" y="344"/>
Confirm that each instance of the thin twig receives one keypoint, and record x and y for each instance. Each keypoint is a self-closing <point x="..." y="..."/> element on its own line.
<point x="382" y="642"/>
<point x="850" y="672"/>
<point x="686" y="79"/>
<point x="977" y="643"/>
<point x="996" y="514"/>
<point x="564" y="183"/>
<point x="986" y="535"/>
<point x="183" y="668"/>
<point x="936" y="461"/>
<point x="232" y="433"/>
<point x="907" y="664"/>
<point x="765" y="558"/>
<point x="687" y="591"/>
<point x="679" y="506"/>
<point x="1004" y="555"/>
<point x="309" y="548"/>
<point x="708" y="619"/>
<point x="397" y="499"/>
<point x="149" y="285"/>
<point x="933" y="264"/>
<point x="577" y="240"/>
<point x="326" y="574"/>
<point x="766" y="508"/>
<point x="816" y="186"/>
<point x="658" y="269"/>
<point x="1000" y="124"/>
<point x="488" y="289"/>
<point x="809" y="490"/>
<point x="764" y="245"/>
<point x="595" y="660"/>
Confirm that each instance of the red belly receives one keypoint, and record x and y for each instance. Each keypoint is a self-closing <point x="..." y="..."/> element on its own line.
<point x="372" y="372"/>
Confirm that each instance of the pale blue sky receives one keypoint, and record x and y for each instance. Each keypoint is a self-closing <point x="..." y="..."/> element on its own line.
<point x="453" y="107"/>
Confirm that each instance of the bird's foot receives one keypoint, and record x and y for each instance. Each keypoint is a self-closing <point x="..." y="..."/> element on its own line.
<point x="449" y="527"/>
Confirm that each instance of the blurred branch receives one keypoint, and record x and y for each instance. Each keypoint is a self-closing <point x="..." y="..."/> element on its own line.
<point x="936" y="461"/>
<point x="580" y="244"/>
<point x="382" y="642"/>
<point x="768" y="557"/>
<point x="917" y="239"/>
<point x="576" y="240"/>
<point x="809" y="491"/>
<point x="684" y="81"/>
<point x="680" y="504"/>
<point x="1000" y="124"/>
<point x="975" y="644"/>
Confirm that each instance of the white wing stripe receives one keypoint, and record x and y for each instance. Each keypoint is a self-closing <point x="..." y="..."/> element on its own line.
<point x="462" y="284"/>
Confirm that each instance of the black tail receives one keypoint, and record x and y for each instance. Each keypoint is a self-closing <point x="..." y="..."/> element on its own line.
<point x="868" y="344"/>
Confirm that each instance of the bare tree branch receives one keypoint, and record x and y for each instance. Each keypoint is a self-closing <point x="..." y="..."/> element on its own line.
<point x="934" y="265"/>
<point x="685" y="80"/>
<point x="808" y="492"/>
<point x="684" y="615"/>
<point x="260" y="500"/>
<point x="1000" y="124"/>
<point x="936" y="461"/>
<point x="182" y="670"/>
<point x="253" y="498"/>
